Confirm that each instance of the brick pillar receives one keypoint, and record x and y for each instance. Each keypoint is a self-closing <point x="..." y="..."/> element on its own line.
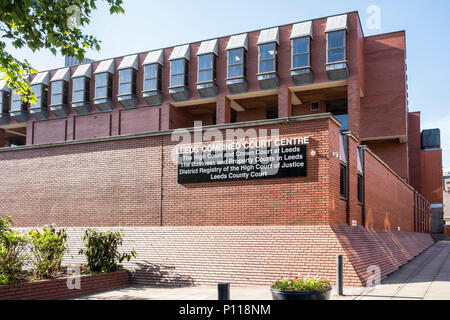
<point x="223" y="110"/>
<point x="165" y="117"/>
<point x="284" y="102"/>
<point x="30" y="132"/>
<point x="354" y="103"/>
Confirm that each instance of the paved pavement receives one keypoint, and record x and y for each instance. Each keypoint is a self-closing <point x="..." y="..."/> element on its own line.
<point x="426" y="277"/>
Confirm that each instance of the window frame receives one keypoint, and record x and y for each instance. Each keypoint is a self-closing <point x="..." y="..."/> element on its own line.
<point x="132" y="81"/>
<point x="213" y="68"/>
<point x="308" y="53"/>
<point x="185" y="73"/>
<point x="360" y="188"/>
<point x="158" y="77"/>
<point x="108" y="86"/>
<point x="64" y="93"/>
<point x="23" y="105"/>
<point x="42" y="97"/>
<point x="243" y="64"/>
<point x="343" y="181"/>
<point x="344" y="32"/>
<point x="86" y="89"/>
<point x="275" y="58"/>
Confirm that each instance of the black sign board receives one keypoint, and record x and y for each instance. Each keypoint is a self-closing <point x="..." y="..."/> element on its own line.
<point x="242" y="164"/>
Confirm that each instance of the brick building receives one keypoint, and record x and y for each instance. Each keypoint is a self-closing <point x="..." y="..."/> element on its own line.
<point x="95" y="151"/>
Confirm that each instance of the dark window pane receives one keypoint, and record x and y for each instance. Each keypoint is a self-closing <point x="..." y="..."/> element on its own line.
<point x="125" y="75"/>
<point x="360" y="188"/>
<point x="150" y="84"/>
<point x="266" y="66"/>
<point x="177" y="66"/>
<point x="235" y="71"/>
<point x="177" y="80"/>
<point x="150" y="71"/>
<point x="101" y="79"/>
<point x="205" y="61"/>
<point x="204" y="76"/>
<point x="300" y="61"/>
<point x="300" y="45"/>
<point x="125" y="88"/>
<point x="266" y="51"/>
<point x="336" y="39"/>
<point x="343" y="181"/>
<point x="336" y="55"/>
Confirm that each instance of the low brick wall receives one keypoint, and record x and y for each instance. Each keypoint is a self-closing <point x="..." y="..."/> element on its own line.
<point x="255" y="255"/>
<point x="56" y="289"/>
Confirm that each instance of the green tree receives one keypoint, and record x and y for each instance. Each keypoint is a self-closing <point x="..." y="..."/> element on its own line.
<point x="55" y="25"/>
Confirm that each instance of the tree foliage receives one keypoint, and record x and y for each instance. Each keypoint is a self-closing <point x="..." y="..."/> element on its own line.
<point x="55" y="25"/>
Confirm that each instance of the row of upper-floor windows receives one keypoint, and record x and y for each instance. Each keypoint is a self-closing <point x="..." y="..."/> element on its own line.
<point x="179" y="71"/>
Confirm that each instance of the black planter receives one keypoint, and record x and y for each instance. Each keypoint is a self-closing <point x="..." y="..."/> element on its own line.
<point x="301" y="295"/>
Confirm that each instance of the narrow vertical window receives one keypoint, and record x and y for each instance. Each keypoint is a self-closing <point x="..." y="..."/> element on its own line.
<point x="17" y="104"/>
<point x="336" y="46"/>
<point x="236" y="63"/>
<point x="300" y="53"/>
<point x="103" y="85"/>
<point x="80" y="89"/>
<point x="178" y="73"/>
<point x="4" y="102"/>
<point x="59" y="92"/>
<point x="343" y="181"/>
<point x="152" y="77"/>
<point x="267" y="58"/>
<point x="360" y="188"/>
<point x="127" y="81"/>
<point x="206" y="68"/>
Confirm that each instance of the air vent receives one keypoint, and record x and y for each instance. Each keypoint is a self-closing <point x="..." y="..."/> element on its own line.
<point x="315" y="106"/>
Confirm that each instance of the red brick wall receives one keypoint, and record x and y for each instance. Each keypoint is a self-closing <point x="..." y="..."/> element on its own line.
<point x="432" y="185"/>
<point x="414" y="150"/>
<point x="394" y="154"/>
<point x="389" y="200"/>
<point x="56" y="289"/>
<point x="259" y="255"/>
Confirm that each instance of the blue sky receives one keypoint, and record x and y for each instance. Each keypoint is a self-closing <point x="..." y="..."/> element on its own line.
<point x="154" y="24"/>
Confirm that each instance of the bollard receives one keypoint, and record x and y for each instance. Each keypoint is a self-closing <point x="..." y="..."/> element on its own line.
<point x="224" y="291"/>
<point x="339" y="275"/>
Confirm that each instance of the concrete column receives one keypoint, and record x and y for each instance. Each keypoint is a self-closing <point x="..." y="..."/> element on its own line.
<point x="223" y="110"/>
<point x="284" y="102"/>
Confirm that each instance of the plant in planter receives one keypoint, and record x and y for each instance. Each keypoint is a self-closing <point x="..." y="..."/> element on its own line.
<point x="296" y="287"/>
<point x="102" y="253"/>
<point x="12" y="252"/>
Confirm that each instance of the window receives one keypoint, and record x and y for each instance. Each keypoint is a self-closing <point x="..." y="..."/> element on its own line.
<point x="4" y="102"/>
<point x="179" y="73"/>
<point x="336" y="46"/>
<point x="17" y="104"/>
<point x="80" y="89"/>
<point x="344" y="182"/>
<point x="206" y="68"/>
<point x="236" y="63"/>
<point x="152" y="77"/>
<point x="41" y="92"/>
<point x="267" y="58"/>
<point x="272" y="113"/>
<point x="59" y="92"/>
<point x="103" y="85"/>
<point x="360" y="188"/>
<point x="300" y="53"/>
<point x="127" y="81"/>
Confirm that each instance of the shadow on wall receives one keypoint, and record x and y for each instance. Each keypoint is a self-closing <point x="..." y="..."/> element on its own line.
<point x="158" y="274"/>
<point x="387" y="250"/>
